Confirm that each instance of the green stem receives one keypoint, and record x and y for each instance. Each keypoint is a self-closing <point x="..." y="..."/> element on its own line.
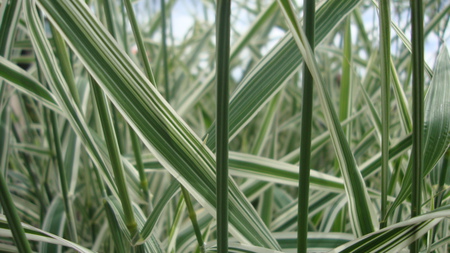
<point x="345" y="91"/>
<point x="9" y="208"/>
<point x="108" y="7"/>
<point x="63" y="179"/>
<point x="222" y="76"/>
<point x="193" y="218"/>
<point x="164" y="50"/>
<point x="115" y="158"/>
<point x="385" y="48"/>
<point x="139" y="164"/>
<point x="139" y="41"/>
<point x="417" y="40"/>
<point x="66" y="67"/>
<point x="108" y="16"/>
<point x="305" y="142"/>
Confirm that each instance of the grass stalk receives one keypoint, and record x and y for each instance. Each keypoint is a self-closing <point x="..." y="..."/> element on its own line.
<point x="345" y="90"/>
<point x="173" y="231"/>
<point x="148" y="70"/>
<point x="116" y="161"/>
<point x="139" y="41"/>
<point x="264" y="132"/>
<point x="305" y="142"/>
<point x="267" y="204"/>
<point x="222" y="78"/>
<point x="107" y="7"/>
<point x="385" y="48"/>
<point x="63" y="179"/>
<point x="417" y="40"/>
<point x="139" y="164"/>
<point x="6" y="200"/>
<point x="64" y="61"/>
<point x="193" y="218"/>
<point x="164" y="50"/>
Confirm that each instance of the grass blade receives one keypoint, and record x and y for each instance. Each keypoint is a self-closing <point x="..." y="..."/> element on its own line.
<point x="157" y="211"/>
<point x="36" y="234"/>
<point x="396" y="237"/>
<point x="54" y="222"/>
<point x="27" y="84"/>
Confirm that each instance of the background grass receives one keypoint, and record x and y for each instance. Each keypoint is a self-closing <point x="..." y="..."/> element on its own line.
<point x="97" y="139"/>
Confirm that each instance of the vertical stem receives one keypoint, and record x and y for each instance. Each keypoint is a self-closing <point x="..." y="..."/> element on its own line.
<point x="418" y="108"/>
<point x="222" y="71"/>
<point x="345" y="91"/>
<point x="164" y="50"/>
<point x="109" y="8"/>
<point x="114" y="156"/>
<point x="66" y="67"/>
<point x="193" y="218"/>
<point x="139" y="41"/>
<point x="63" y="179"/>
<point x="305" y="142"/>
<point x="6" y="201"/>
<point x="108" y="16"/>
<point x="139" y="164"/>
<point x="385" y="48"/>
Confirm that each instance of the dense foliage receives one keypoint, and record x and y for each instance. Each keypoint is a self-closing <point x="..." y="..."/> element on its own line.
<point x="107" y="129"/>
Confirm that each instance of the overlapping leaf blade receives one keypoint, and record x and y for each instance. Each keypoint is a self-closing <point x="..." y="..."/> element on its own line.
<point x="398" y="236"/>
<point x="361" y="210"/>
<point x="437" y="122"/>
<point x="156" y="123"/>
<point x="273" y="71"/>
